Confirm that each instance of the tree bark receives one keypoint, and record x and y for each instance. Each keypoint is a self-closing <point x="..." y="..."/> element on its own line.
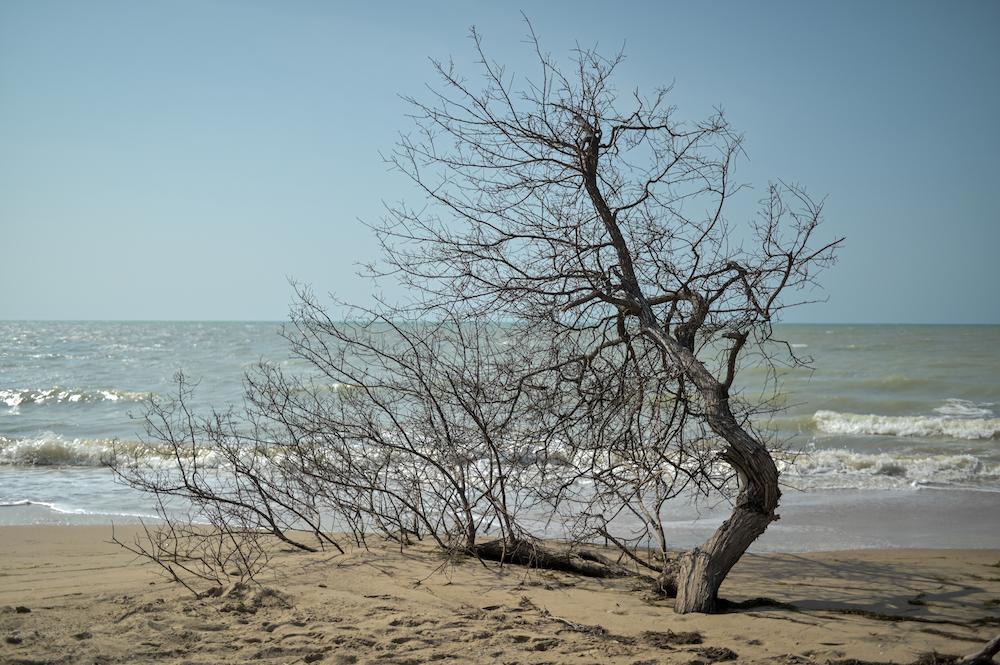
<point x="702" y="570"/>
<point x="984" y="655"/>
<point x="582" y="562"/>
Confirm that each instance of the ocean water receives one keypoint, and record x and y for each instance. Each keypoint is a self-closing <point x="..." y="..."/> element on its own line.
<point x="896" y="428"/>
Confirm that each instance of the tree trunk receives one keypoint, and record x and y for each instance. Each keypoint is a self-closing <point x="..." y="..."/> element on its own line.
<point x="702" y="570"/>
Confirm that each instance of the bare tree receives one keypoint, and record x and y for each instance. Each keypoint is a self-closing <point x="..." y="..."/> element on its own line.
<point x="200" y="558"/>
<point x="410" y="430"/>
<point x="601" y="220"/>
<point x="580" y="309"/>
<point x="425" y="429"/>
<point x="450" y="428"/>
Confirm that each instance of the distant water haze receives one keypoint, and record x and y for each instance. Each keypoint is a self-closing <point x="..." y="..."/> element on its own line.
<point x="896" y="426"/>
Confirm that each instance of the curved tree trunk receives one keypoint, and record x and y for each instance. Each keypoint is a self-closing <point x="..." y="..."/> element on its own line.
<point x="703" y="569"/>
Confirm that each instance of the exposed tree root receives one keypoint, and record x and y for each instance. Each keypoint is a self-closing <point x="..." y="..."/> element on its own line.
<point x="880" y="616"/>
<point x="982" y="657"/>
<point x="666" y="584"/>
<point x="950" y="635"/>
<point x="533" y="555"/>
<point x="724" y="605"/>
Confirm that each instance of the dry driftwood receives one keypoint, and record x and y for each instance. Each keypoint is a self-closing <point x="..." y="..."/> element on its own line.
<point x="534" y="555"/>
<point x="984" y="655"/>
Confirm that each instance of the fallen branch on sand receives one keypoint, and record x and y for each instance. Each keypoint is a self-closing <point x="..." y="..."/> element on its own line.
<point x="984" y="655"/>
<point x="521" y="552"/>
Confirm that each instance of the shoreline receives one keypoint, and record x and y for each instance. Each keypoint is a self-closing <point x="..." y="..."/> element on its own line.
<point x="90" y="602"/>
<point x="814" y="521"/>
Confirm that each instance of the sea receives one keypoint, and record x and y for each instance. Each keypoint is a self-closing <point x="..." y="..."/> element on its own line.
<point x="895" y="428"/>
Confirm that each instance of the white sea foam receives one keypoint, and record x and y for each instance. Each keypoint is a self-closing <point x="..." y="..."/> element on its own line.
<point x="14" y="503"/>
<point x="853" y="424"/>
<point x="57" y="395"/>
<point x="54" y="450"/>
<point x="847" y="468"/>
<point x="963" y="408"/>
<point x="56" y="508"/>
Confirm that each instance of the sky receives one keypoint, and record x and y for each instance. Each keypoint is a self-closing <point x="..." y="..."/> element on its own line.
<point x="186" y="159"/>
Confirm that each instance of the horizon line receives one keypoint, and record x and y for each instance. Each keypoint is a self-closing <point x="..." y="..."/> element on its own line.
<point x="779" y="323"/>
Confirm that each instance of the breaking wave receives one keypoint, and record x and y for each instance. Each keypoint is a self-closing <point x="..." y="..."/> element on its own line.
<point x="850" y="469"/>
<point x="58" y="395"/>
<point x="57" y="508"/>
<point x="853" y="424"/>
<point x="963" y="408"/>
<point x="55" y="450"/>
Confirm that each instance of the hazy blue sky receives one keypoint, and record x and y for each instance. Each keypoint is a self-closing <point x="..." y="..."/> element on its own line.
<point x="180" y="160"/>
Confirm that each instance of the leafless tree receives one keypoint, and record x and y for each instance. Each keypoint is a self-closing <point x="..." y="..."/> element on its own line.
<point x="202" y="557"/>
<point x="581" y="306"/>
<point x="426" y="430"/>
<point x="228" y="470"/>
<point x="410" y="430"/>
<point x="601" y="219"/>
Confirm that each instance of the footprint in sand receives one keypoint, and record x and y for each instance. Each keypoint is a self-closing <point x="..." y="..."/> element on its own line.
<point x="344" y="659"/>
<point x="402" y="639"/>
<point x="543" y="644"/>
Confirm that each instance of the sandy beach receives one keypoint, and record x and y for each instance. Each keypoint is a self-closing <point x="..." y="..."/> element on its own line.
<point x="67" y="595"/>
<point x="634" y="333"/>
